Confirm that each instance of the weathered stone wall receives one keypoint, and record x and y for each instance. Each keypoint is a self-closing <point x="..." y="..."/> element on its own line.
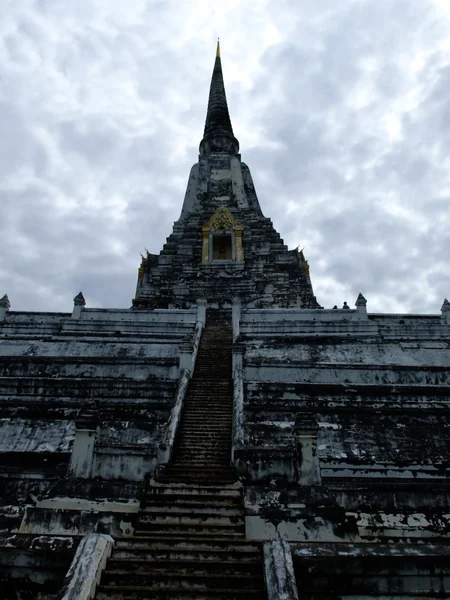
<point x="106" y="378"/>
<point x="346" y="425"/>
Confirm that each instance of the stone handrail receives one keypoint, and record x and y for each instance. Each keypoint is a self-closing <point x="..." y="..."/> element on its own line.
<point x="238" y="399"/>
<point x="279" y="571"/>
<point x="85" y="571"/>
<point x="166" y="447"/>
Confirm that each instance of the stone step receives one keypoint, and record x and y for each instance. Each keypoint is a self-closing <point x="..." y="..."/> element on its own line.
<point x="196" y="458"/>
<point x="206" y="391"/>
<point x="208" y="450"/>
<point x="215" y="354"/>
<point x="210" y="469"/>
<point x="194" y="490"/>
<point x="197" y="401"/>
<point x="215" y="413"/>
<point x="218" y="405"/>
<point x="207" y="439"/>
<point x="175" y="579"/>
<point x="107" y="592"/>
<point x="214" y="453"/>
<point x="199" y="503"/>
<point x="211" y="464"/>
<point x="187" y="554"/>
<point x="217" y="424"/>
<point x="199" y="462"/>
<point x="214" y="436"/>
<point x="215" y="440"/>
<point x="181" y="544"/>
<point x="191" y="502"/>
<point x="183" y="469"/>
<point x="208" y="372"/>
<point x="220" y="402"/>
<point x="209" y="436"/>
<point x="193" y="532"/>
<point x="221" y="360"/>
<point x="207" y="409"/>
<point x="209" y="421"/>
<point x="186" y="510"/>
<point x="190" y="477"/>
<point x="221" y="383"/>
<point x="210" y="428"/>
<point x="187" y="566"/>
<point x="194" y="479"/>
<point x="190" y="520"/>
<point x="209" y="382"/>
<point x="206" y="420"/>
<point x="211" y="444"/>
<point x="218" y="446"/>
<point x="197" y="405"/>
<point x="203" y="383"/>
<point x="209" y="459"/>
<point x="201" y="466"/>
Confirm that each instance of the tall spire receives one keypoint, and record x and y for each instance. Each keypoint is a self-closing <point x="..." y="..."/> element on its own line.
<point x="218" y="135"/>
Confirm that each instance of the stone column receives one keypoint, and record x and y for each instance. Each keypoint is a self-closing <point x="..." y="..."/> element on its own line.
<point x="279" y="571"/>
<point x="305" y="431"/>
<point x="205" y="246"/>
<point x="4" y="307"/>
<point x="445" y="310"/>
<point x="201" y="310"/>
<point x="186" y="356"/>
<point x="238" y="398"/>
<point x="361" y="306"/>
<point x="82" y="457"/>
<point x="236" y="317"/>
<point x="238" y="247"/>
<point x="78" y="304"/>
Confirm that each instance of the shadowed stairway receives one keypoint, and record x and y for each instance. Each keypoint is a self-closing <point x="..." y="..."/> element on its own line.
<point x="190" y="542"/>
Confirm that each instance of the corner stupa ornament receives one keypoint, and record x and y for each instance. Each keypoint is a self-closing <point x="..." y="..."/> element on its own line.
<point x="4" y="302"/>
<point x="79" y="300"/>
<point x="222" y="238"/>
<point x="5" y="305"/>
<point x="445" y="309"/>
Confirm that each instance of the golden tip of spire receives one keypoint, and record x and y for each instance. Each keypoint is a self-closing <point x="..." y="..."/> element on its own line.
<point x="218" y="49"/>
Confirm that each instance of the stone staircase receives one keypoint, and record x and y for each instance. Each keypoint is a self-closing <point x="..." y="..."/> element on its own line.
<point x="203" y="447"/>
<point x="189" y="543"/>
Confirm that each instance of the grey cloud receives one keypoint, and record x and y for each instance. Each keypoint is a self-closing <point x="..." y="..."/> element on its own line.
<point x="103" y="108"/>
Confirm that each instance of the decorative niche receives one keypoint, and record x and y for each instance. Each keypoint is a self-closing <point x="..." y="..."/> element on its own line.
<point x="222" y="238"/>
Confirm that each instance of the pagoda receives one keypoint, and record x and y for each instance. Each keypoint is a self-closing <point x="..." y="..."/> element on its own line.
<point x="222" y="247"/>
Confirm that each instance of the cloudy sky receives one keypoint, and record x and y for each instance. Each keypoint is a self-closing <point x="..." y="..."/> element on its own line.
<point x="342" y="110"/>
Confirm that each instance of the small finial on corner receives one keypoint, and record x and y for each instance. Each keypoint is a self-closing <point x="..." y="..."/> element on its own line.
<point x="5" y="305"/>
<point x="361" y="306"/>
<point x="4" y="302"/>
<point x="360" y="300"/>
<point x="78" y="306"/>
<point x="79" y="300"/>
<point x="445" y="310"/>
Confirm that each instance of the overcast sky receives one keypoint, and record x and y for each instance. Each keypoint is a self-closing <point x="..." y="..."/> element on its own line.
<point x="342" y="110"/>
